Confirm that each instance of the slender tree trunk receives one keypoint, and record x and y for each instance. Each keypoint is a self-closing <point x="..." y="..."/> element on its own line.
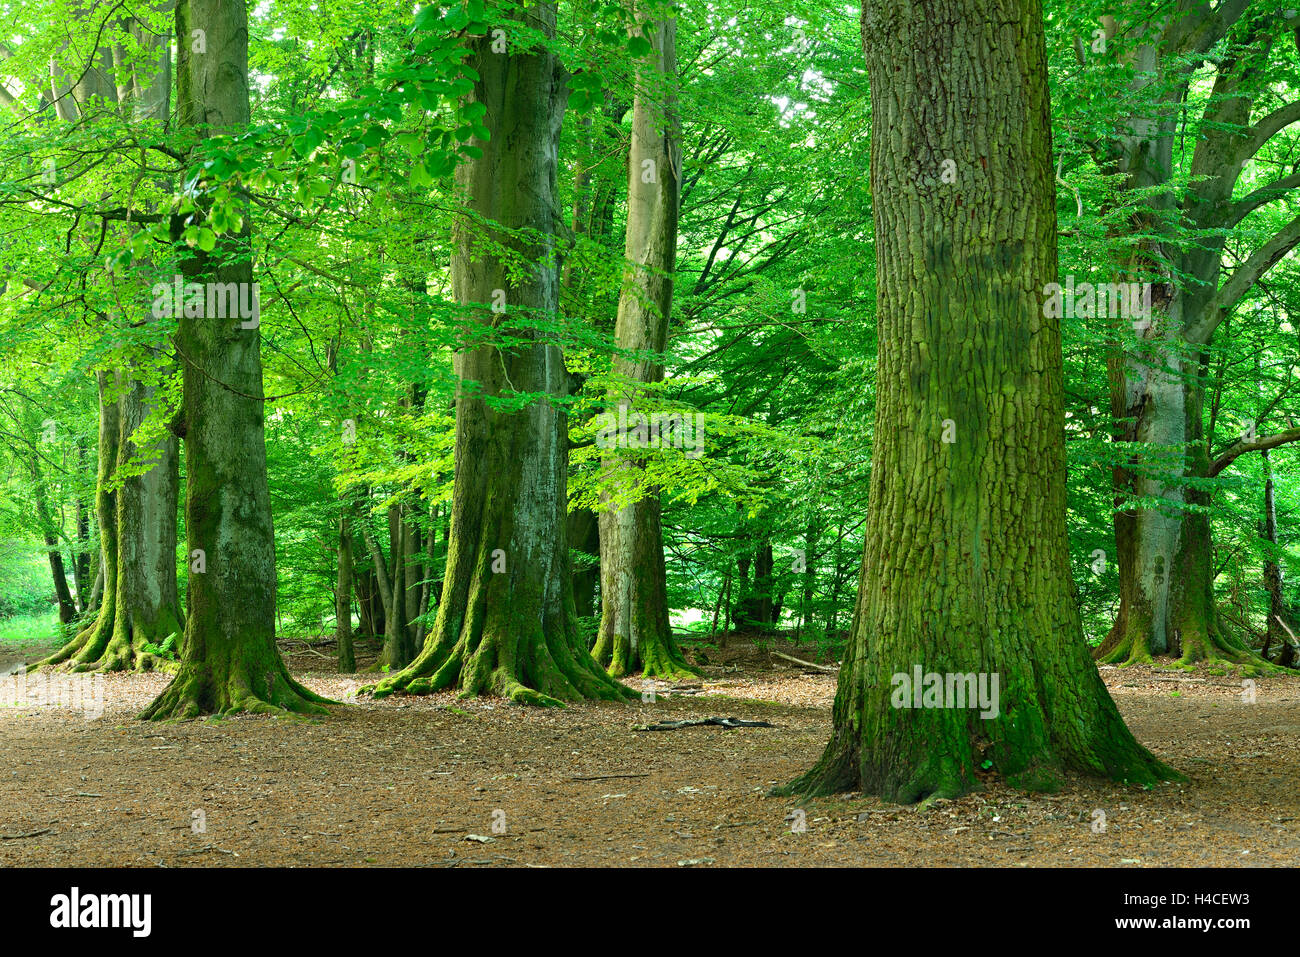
<point x="506" y="623"/>
<point x="343" y="599"/>
<point x="717" y="605"/>
<point x="726" y="614"/>
<point x="369" y="604"/>
<point x="229" y="659"/>
<point x="394" y="651"/>
<point x="966" y="569"/>
<point x="1272" y="571"/>
<point x="81" y="560"/>
<point x="96" y="634"/>
<point x="413" y="576"/>
<point x="62" y="594"/>
<point x="426" y="587"/>
<point x="812" y="536"/>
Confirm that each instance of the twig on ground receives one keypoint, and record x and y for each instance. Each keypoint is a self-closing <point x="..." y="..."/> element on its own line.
<point x="806" y="664"/>
<point x="19" y="837"/>
<point x="605" y="777"/>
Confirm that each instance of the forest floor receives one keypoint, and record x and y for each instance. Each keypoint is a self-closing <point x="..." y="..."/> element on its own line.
<point x="421" y="781"/>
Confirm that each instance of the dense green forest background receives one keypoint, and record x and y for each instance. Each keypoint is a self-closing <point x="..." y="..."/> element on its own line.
<point x="347" y="162"/>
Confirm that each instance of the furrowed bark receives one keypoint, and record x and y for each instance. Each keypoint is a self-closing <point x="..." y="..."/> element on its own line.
<point x="966" y="569"/>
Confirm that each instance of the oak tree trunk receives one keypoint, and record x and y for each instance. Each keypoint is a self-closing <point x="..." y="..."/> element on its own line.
<point x="966" y="569"/>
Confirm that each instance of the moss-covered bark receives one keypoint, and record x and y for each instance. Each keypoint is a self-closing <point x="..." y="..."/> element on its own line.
<point x="229" y="659"/>
<point x="506" y="622"/>
<point x="966" y="569"/>
<point x="1157" y="383"/>
<point x="635" y="632"/>
<point x="1165" y="554"/>
<point x="137" y="526"/>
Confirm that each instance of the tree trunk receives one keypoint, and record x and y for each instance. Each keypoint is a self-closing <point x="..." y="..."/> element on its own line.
<point x="62" y="594"/>
<point x="426" y="587"/>
<point x="635" y="631"/>
<point x="1164" y="555"/>
<point x="1272" y="570"/>
<point x="81" y="560"/>
<point x="143" y="605"/>
<point x="584" y="537"/>
<point x="229" y="659"/>
<point x="966" y="569"/>
<point x="811" y="538"/>
<point x="369" y="604"/>
<point x="506" y="623"/>
<point x="394" y="654"/>
<point x="1157" y="390"/>
<point x="137" y="522"/>
<point x="343" y="599"/>
<point x="413" y="575"/>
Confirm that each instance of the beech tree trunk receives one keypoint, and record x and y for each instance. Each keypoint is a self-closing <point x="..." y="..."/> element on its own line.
<point x="635" y="631"/>
<point x="1157" y="385"/>
<point x="412" y="575"/>
<point x="966" y="569"/>
<point x="1277" y="610"/>
<point x="396" y="653"/>
<point x="229" y="659"/>
<point x="137" y="529"/>
<point x="506" y="622"/>
<point x="142" y="603"/>
<point x="343" y="599"/>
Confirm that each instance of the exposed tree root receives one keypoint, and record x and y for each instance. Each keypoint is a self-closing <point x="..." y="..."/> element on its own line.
<point x="657" y="656"/>
<point x="198" y="689"/>
<point x="543" y="667"/>
<point x="114" y="643"/>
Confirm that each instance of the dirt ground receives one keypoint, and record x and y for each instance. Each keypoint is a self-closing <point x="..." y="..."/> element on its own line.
<point x="440" y="782"/>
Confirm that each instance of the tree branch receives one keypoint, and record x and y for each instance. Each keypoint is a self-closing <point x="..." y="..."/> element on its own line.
<point x="1265" y="194"/>
<point x="1245" y="276"/>
<point x="1266" y="128"/>
<point x="1261" y="444"/>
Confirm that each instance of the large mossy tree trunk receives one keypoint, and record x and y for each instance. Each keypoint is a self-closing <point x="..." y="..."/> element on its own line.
<point x="229" y="659"/>
<point x="136" y="514"/>
<point x="136" y="510"/>
<point x="1164" y="551"/>
<point x="635" y="632"/>
<point x="966" y="569"/>
<point x="506" y="624"/>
